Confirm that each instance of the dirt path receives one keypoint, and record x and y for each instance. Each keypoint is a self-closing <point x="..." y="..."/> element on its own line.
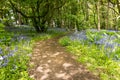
<point x="50" y="61"/>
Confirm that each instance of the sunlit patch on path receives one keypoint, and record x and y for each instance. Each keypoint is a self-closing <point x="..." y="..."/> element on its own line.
<point x="50" y="61"/>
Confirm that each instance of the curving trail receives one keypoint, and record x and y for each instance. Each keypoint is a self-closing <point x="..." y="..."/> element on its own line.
<point x="50" y="61"/>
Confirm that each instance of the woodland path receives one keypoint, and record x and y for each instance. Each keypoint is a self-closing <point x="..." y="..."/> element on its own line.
<point x="50" y="61"/>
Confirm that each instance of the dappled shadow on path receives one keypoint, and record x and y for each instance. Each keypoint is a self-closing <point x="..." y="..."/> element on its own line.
<point x="50" y="61"/>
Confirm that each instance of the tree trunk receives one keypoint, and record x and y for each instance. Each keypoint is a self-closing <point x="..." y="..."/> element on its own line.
<point x="107" y="24"/>
<point x="94" y="12"/>
<point x="19" y="19"/>
<point x="118" y="6"/>
<point x="86" y="11"/>
<point x="98" y="14"/>
<point x="35" y="22"/>
<point x="35" y="25"/>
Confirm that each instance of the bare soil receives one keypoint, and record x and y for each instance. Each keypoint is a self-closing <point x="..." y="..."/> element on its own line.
<point x="50" y="61"/>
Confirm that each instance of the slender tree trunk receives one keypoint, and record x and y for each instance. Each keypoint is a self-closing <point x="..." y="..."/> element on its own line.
<point x="107" y="21"/>
<point x="94" y="12"/>
<point x="19" y="19"/>
<point x="86" y="10"/>
<point x="98" y="14"/>
<point x="83" y="11"/>
<point x="114" y="20"/>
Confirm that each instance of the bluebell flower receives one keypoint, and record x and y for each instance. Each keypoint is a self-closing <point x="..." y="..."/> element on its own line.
<point x="16" y="48"/>
<point x="5" y="63"/>
<point x="1" y="51"/>
<point x="78" y="36"/>
<point x="106" y="40"/>
<point x="0" y="40"/>
<point x="102" y="41"/>
<point x="5" y="56"/>
<point x="10" y="54"/>
<point x="118" y="45"/>
<point x="113" y="37"/>
<point x="109" y="45"/>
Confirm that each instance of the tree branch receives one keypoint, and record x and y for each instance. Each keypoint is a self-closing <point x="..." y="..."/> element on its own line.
<point x="112" y="9"/>
<point x="23" y="14"/>
<point x="60" y="5"/>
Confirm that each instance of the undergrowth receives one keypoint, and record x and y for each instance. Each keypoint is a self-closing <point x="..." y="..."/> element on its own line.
<point x="94" y="58"/>
<point x="16" y="50"/>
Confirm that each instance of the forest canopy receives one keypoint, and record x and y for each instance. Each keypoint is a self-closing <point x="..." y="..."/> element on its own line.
<point x="69" y="14"/>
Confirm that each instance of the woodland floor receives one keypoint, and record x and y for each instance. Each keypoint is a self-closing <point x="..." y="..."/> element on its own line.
<point x="50" y="61"/>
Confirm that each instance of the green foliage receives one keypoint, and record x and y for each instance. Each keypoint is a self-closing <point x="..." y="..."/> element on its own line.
<point x="7" y="22"/>
<point x="1" y="27"/>
<point x="93" y="35"/>
<point x="65" y="41"/>
<point x="94" y="58"/>
<point x="17" y="64"/>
